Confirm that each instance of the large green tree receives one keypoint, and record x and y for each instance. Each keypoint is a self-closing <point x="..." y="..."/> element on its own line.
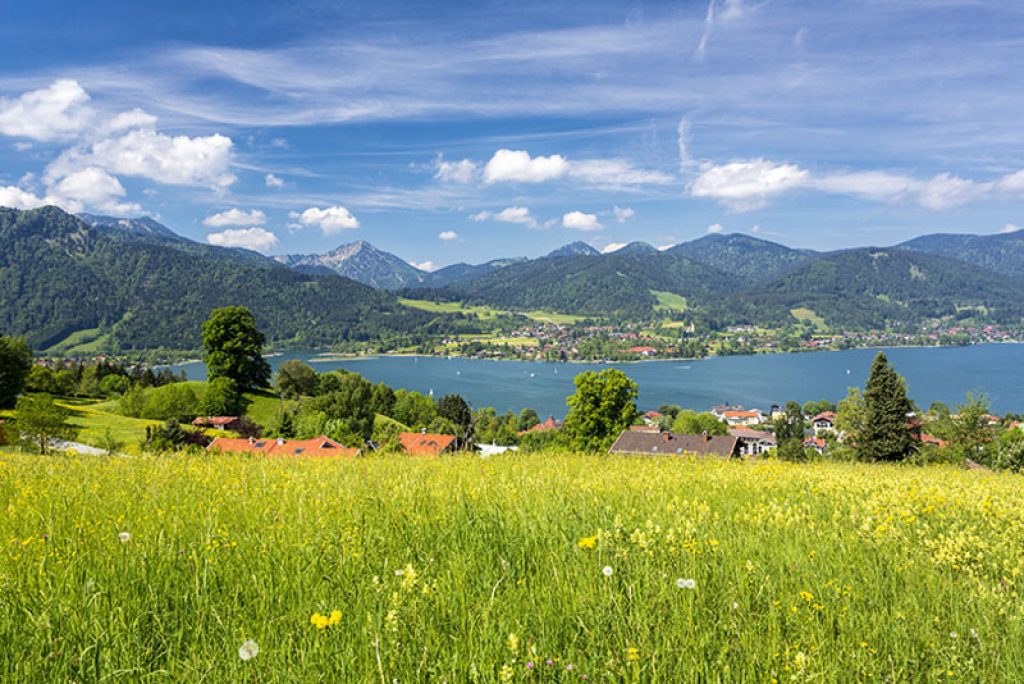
<point x="887" y="433"/>
<point x="689" y="422"/>
<point x="345" y="414"/>
<point x="789" y="433"/>
<point x="297" y="379"/>
<point x="39" y="420"/>
<point x="15" y="364"/>
<point x="234" y="348"/>
<point x="603" y="406"/>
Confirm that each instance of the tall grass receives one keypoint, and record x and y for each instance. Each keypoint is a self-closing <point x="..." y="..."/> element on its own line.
<point x="458" y="569"/>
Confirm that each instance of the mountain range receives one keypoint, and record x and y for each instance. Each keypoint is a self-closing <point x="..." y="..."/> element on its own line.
<point x="135" y="284"/>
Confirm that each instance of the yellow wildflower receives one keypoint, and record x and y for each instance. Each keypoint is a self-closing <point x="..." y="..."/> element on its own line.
<point x="633" y="654"/>
<point x="587" y="542"/>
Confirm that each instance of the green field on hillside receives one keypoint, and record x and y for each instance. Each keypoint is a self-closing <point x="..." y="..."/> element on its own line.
<point x="669" y="301"/>
<point x="809" y="316"/>
<point x="518" y="568"/>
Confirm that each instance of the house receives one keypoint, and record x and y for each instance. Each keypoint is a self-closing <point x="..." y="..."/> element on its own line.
<point x="549" y="424"/>
<point x="816" y="443"/>
<point x="671" y="444"/>
<point x="652" y="417"/>
<point x="644" y="428"/>
<point x="824" y="421"/>
<point x="753" y="442"/>
<point x="218" y="422"/>
<point x="776" y="412"/>
<point x="932" y="440"/>
<point x="642" y="351"/>
<point x="318" y="446"/>
<point x="487" y="450"/>
<point x="740" y="417"/>
<point x="425" y="443"/>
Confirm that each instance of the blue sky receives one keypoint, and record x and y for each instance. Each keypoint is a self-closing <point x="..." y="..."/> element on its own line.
<point x="474" y="130"/>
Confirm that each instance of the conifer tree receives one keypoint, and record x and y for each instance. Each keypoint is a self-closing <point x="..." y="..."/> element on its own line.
<point x="887" y="434"/>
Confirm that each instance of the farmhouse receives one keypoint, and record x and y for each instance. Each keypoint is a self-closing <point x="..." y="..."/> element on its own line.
<point x="670" y="443"/>
<point x="823" y="422"/>
<point x="318" y="446"/>
<point x="741" y="417"/>
<point x="218" y="422"/>
<point x="652" y="417"/>
<point x="549" y="424"/>
<point x="425" y="443"/>
<point x="753" y="442"/>
<point x="816" y="443"/>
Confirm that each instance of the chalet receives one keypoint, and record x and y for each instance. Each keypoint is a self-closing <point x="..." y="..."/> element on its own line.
<point x="425" y="443"/>
<point x="1017" y="425"/>
<point x="932" y="440"/>
<point x="642" y="350"/>
<point x="740" y="417"/>
<point x="652" y="417"/>
<point x="318" y="446"/>
<point x="823" y="422"/>
<point x="816" y="443"/>
<point x="753" y="442"/>
<point x="671" y="444"/>
<point x="549" y="424"/>
<point x="218" y="422"/>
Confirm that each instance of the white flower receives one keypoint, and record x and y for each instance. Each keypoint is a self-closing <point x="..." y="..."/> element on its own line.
<point x="249" y="650"/>
<point x="686" y="583"/>
<point x="124" y="537"/>
<point x="735" y="606"/>
<point x="953" y="635"/>
<point x="607" y="571"/>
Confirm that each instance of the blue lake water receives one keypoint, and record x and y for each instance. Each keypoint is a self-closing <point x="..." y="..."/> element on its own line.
<point x="932" y="373"/>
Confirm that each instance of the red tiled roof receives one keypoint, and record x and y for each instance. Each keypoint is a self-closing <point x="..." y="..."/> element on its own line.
<point x="549" y="424"/>
<point x="830" y="416"/>
<point x="424" y="444"/>
<point x="215" y="420"/>
<point x="318" y="446"/>
<point x="644" y="428"/>
<point x="736" y="413"/>
<point x="818" y="442"/>
<point x="642" y="350"/>
<point x="653" y="415"/>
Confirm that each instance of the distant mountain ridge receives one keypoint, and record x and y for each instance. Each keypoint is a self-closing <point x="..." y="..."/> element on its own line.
<point x="748" y="258"/>
<point x="360" y="261"/>
<point x="1002" y="252"/>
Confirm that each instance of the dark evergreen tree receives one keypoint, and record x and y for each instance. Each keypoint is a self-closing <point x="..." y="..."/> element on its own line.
<point x="887" y="433"/>
<point x="15" y="364"/>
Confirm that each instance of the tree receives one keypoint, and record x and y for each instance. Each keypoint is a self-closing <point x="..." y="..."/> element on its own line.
<point x="167" y="437"/>
<point x="345" y="414"/>
<point x="222" y="399"/>
<point x="789" y="433"/>
<point x="453" y="407"/>
<point x="689" y="422"/>
<point x="383" y="399"/>
<point x="887" y="434"/>
<point x="39" y="420"/>
<point x="413" y="409"/>
<point x="234" y="348"/>
<point x="603" y="406"/>
<point x="969" y="432"/>
<point x="527" y="419"/>
<point x="813" y="408"/>
<point x="177" y="402"/>
<point x="15" y="364"/>
<point x="851" y="416"/>
<point x="296" y="379"/>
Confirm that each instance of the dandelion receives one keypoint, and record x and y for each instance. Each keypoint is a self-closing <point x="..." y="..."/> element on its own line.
<point x="607" y="571"/>
<point x="953" y="635"/>
<point x="686" y="583"/>
<point x="321" y="621"/>
<point x="807" y="596"/>
<point x="249" y="650"/>
<point x="633" y="654"/>
<point x="334" y="618"/>
<point x="124" y="537"/>
<point x="587" y="542"/>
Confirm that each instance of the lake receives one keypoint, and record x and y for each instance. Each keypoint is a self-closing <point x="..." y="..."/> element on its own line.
<point x="758" y="381"/>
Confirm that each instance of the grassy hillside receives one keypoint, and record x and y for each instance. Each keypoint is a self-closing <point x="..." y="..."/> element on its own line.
<point x="460" y="569"/>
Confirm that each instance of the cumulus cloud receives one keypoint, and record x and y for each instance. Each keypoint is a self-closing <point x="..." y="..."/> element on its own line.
<point x="577" y="220"/>
<point x="257" y="239"/>
<point x="1012" y="182"/>
<point x="146" y="153"/>
<point x="462" y="171"/>
<point x="329" y="220"/>
<point x="236" y="217"/>
<point x="57" y="112"/>
<point x="428" y="266"/>
<point x="273" y="181"/>
<point x="745" y="185"/>
<point x="623" y="214"/>
<point x="135" y="118"/>
<point x="520" y="215"/>
<point x="91" y="187"/>
<point x="715" y="228"/>
<point x="519" y="166"/>
<point x="447" y="235"/>
<point x="16" y="198"/>
<point x="612" y="247"/>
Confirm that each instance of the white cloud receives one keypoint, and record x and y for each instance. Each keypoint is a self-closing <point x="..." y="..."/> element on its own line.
<point x="279" y="143"/>
<point x="273" y="181"/>
<point x="135" y="118"/>
<point x="257" y="239"/>
<point x="1008" y="228"/>
<point x="683" y="143"/>
<point x="146" y="153"/>
<point x="877" y="185"/>
<point x="662" y="248"/>
<point x="612" y="247"/>
<point x="615" y="172"/>
<point x="16" y="198"/>
<point x="577" y="220"/>
<point x="236" y="217"/>
<point x="462" y="171"/>
<point x="623" y="214"/>
<point x="520" y="215"/>
<point x="57" y="112"/>
<point x="519" y="166"/>
<point x="715" y="228"/>
<point x="447" y="235"/>
<point x="1012" y="182"/>
<point x="745" y="185"/>
<point x="91" y="187"/>
<point x="945" y="190"/>
<point x="330" y="220"/>
<point x="424" y="265"/>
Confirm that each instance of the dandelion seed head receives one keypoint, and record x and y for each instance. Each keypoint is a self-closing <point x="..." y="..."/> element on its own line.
<point x="124" y="537"/>
<point x="607" y="571"/>
<point x="249" y="650"/>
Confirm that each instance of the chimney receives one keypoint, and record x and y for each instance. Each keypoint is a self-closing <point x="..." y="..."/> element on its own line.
<point x="251" y="440"/>
<point x="423" y="431"/>
<point x="706" y="436"/>
<point x="666" y="436"/>
<point x="280" y="441"/>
